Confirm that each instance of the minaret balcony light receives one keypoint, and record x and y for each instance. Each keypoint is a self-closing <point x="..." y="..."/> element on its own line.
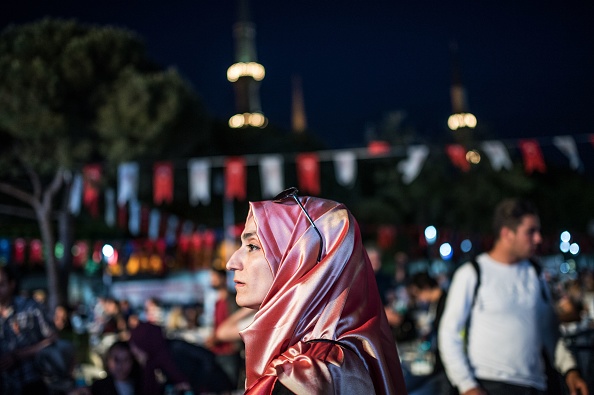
<point x="250" y="69"/>
<point x="254" y="119"/>
<point x="461" y="120"/>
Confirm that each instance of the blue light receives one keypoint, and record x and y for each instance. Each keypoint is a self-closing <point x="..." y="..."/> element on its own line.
<point x="564" y="246"/>
<point x="466" y="245"/>
<point x="565" y="236"/>
<point x="564" y="268"/>
<point x="574" y="248"/>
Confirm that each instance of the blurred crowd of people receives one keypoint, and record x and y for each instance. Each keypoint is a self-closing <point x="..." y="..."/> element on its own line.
<point x="415" y="301"/>
<point x="115" y="348"/>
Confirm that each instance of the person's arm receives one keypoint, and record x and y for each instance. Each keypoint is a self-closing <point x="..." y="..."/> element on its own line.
<point x="565" y="363"/>
<point x="228" y="330"/>
<point x="453" y="321"/>
<point x="29" y="351"/>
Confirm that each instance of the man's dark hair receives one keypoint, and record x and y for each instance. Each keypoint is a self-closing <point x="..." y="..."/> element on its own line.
<point x="509" y="214"/>
<point x="423" y="280"/>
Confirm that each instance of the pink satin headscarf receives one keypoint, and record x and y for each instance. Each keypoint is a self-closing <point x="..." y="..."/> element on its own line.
<point x="334" y="299"/>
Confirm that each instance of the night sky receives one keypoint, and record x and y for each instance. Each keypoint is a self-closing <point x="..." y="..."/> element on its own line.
<point x="527" y="66"/>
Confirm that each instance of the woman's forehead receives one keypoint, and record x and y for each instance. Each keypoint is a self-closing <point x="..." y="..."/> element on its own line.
<point x="250" y="228"/>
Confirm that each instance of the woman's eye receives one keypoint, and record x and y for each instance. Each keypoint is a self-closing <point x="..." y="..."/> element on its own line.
<point x="252" y="247"/>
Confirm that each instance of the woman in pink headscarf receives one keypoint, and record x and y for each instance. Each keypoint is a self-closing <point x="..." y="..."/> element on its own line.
<point x="320" y="326"/>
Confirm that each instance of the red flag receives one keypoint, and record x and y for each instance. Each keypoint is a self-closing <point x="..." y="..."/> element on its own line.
<point x="80" y="254"/>
<point x="145" y="213"/>
<point x="386" y="235"/>
<point x="457" y="154"/>
<point x="20" y="245"/>
<point x="123" y="216"/>
<point x="235" y="178"/>
<point x="210" y="239"/>
<point x="163" y="182"/>
<point x="36" y="251"/>
<point x="533" y="158"/>
<point x="378" y="147"/>
<point x="91" y="179"/>
<point x="308" y="173"/>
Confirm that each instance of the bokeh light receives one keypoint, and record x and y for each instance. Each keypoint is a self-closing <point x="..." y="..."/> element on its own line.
<point x="446" y="251"/>
<point x="430" y="234"/>
<point x="466" y="245"/>
<point x="107" y="251"/>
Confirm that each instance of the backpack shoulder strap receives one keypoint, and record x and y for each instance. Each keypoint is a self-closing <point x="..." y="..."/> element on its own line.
<point x="538" y="269"/>
<point x="477" y="269"/>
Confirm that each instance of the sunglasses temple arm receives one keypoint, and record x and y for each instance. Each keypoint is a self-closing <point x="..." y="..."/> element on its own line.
<point x="312" y="224"/>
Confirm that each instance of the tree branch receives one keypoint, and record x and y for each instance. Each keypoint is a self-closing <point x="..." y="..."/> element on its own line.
<point x="53" y="188"/>
<point x="35" y="182"/>
<point x="15" y="211"/>
<point x="19" y="194"/>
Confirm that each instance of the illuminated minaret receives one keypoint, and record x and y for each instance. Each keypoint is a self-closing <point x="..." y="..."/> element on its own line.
<point x="298" y="119"/>
<point x="460" y="117"/>
<point x="246" y="73"/>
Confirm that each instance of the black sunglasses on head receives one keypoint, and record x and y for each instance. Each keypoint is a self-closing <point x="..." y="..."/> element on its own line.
<point x="292" y="193"/>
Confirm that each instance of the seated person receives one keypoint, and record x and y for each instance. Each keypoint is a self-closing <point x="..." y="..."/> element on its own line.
<point x="123" y="372"/>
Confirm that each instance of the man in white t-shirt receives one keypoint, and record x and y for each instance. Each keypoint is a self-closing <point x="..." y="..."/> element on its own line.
<point x="511" y="320"/>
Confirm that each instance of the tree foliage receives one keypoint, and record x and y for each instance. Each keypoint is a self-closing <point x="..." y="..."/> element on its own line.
<point x="72" y="94"/>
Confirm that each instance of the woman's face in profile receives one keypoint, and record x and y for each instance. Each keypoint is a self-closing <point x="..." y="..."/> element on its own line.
<point x="251" y="273"/>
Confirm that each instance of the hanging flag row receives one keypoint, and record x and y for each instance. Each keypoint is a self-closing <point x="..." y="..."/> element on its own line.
<point x="86" y="188"/>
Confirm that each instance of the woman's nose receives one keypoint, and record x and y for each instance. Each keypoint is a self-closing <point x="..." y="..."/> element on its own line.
<point x="233" y="263"/>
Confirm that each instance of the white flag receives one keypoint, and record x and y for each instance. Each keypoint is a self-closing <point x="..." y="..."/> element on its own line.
<point x="154" y="224"/>
<point x="497" y="154"/>
<point x="412" y="166"/>
<point x="110" y="211"/>
<point x="75" y="201"/>
<point x="134" y="217"/>
<point x="566" y="144"/>
<point x="127" y="183"/>
<point x="271" y="174"/>
<point x="345" y="168"/>
<point x="199" y="181"/>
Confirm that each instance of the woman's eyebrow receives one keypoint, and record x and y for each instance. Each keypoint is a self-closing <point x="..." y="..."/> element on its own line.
<point x="249" y="235"/>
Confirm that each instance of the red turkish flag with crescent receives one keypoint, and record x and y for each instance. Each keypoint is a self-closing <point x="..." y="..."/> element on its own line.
<point x="457" y="154"/>
<point x="163" y="182"/>
<point x="91" y="179"/>
<point x="308" y="173"/>
<point x="235" y="178"/>
<point x="532" y="155"/>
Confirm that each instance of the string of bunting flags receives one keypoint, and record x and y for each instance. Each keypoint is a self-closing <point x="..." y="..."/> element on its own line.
<point x="85" y="189"/>
<point x="156" y="229"/>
